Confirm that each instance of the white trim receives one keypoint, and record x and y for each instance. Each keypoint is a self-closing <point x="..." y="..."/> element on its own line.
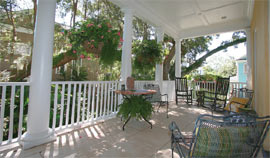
<point x="241" y="61"/>
<point x="250" y="9"/>
<point x="142" y="12"/>
<point x="18" y="28"/>
<point x="178" y="65"/>
<point x="255" y="68"/>
<point x="214" y="29"/>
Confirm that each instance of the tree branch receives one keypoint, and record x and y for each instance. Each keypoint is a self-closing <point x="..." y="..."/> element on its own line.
<point x="200" y="61"/>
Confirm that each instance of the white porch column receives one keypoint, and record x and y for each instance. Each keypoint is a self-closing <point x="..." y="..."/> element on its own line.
<point x="38" y="131"/>
<point x="249" y="59"/>
<point x="159" y="66"/>
<point x="126" y="69"/>
<point x="178" y="58"/>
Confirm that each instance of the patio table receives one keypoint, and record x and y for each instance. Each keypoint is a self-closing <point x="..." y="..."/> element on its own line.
<point x="127" y="93"/>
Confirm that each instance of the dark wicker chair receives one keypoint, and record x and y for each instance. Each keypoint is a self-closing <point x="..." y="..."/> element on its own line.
<point x="182" y="90"/>
<point x="218" y="98"/>
<point x="218" y="136"/>
<point x="161" y="99"/>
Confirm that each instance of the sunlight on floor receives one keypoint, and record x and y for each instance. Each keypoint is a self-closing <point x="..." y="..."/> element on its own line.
<point x="106" y="139"/>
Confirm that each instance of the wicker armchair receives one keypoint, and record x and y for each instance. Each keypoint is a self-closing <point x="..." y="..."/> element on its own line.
<point x="218" y="136"/>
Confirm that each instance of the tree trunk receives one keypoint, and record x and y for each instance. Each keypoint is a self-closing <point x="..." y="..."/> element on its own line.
<point x="85" y="9"/>
<point x="20" y="75"/>
<point x="75" y="7"/>
<point x="167" y="61"/>
<point x="35" y="12"/>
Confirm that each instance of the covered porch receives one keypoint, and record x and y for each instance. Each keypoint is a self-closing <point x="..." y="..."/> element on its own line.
<point x="106" y="138"/>
<point x="92" y="106"/>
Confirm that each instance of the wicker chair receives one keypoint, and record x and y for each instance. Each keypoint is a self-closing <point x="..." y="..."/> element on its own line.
<point x="182" y="90"/>
<point x="221" y="136"/>
<point x="161" y="99"/>
<point x="219" y="95"/>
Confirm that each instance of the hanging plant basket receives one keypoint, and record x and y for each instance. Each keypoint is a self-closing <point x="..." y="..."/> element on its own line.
<point x="95" y="39"/>
<point x="147" y="54"/>
<point x="93" y="50"/>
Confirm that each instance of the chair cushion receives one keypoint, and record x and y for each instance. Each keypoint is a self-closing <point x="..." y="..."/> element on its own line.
<point x="220" y="142"/>
<point x="233" y="104"/>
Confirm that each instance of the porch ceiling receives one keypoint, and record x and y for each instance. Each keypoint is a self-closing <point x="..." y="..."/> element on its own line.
<point x="191" y="18"/>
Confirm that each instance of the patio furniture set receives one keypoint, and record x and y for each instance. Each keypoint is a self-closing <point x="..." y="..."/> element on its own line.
<point x="148" y="95"/>
<point x="239" y="133"/>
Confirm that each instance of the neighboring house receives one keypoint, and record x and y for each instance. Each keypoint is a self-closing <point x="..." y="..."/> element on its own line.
<point x="241" y="64"/>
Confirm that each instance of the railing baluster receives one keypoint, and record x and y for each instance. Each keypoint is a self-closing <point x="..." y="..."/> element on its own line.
<point x="84" y="95"/>
<point x="88" y="100"/>
<point x="115" y="96"/>
<point x="62" y="104"/>
<point x="21" y="111"/>
<point x="55" y="105"/>
<point x="109" y="109"/>
<point x="68" y="104"/>
<point x="3" y="101"/>
<point x="105" y="99"/>
<point x="101" y="100"/>
<point x="119" y="101"/>
<point x="79" y="103"/>
<point x="97" y="103"/>
<point x="93" y="102"/>
<point x="73" y="104"/>
<point x="11" y="116"/>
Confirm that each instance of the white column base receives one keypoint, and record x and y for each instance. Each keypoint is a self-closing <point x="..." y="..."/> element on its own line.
<point x="31" y="140"/>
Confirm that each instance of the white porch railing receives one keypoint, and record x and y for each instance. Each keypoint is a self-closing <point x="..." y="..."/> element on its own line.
<point x="76" y="103"/>
<point x="72" y="103"/>
<point x="14" y="99"/>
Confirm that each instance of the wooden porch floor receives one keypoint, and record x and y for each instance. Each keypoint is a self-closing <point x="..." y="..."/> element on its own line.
<point x="106" y="139"/>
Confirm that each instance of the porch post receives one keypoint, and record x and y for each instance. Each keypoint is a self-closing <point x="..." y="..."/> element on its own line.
<point x="126" y="69"/>
<point x="38" y="131"/>
<point x="249" y="59"/>
<point x="159" y="66"/>
<point x="178" y="58"/>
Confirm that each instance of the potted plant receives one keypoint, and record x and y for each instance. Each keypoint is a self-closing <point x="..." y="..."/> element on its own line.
<point x="95" y="39"/>
<point x="135" y="106"/>
<point x="147" y="54"/>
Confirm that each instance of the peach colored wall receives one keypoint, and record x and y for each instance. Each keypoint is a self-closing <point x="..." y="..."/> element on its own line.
<point x="260" y="53"/>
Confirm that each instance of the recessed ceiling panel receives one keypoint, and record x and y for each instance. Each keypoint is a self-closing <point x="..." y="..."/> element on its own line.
<point x="190" y="22"/>
<point x="224" y="14"/>
<point x="205" y="5"/>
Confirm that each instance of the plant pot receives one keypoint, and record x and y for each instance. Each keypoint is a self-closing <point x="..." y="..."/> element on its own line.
<point x="95" y="51"/>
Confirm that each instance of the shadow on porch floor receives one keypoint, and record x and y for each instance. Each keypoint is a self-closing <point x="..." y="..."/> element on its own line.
<point x="106" y="139"/>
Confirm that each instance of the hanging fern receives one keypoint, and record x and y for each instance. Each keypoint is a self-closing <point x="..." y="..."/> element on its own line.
<point x="135" y="106"/>
<point x="147" y="54"/>
<point x="95" y="39"/>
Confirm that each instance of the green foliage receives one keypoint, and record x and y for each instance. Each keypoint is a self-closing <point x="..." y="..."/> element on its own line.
<point x="192" y="47"/>
<point x="147" y="54"/>
<point x="221" y="66"/>
<point x="144" y="74"/>
<point x="135" y="106"/>
<point x="77" y="74"/>
<point x="95" y="38"/>
<point x="206" y="77"/>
